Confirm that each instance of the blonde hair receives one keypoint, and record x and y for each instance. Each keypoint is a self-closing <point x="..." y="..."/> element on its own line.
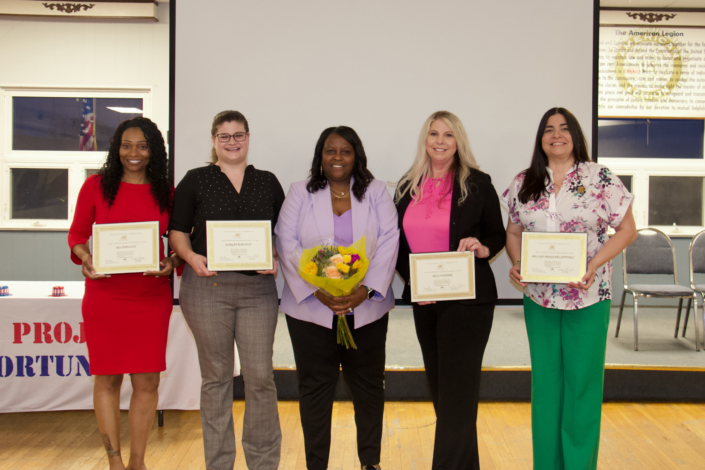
<point x="463" y="163"/>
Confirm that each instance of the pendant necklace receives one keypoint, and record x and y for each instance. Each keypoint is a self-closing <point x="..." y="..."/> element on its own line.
<point x="342" y="195"/>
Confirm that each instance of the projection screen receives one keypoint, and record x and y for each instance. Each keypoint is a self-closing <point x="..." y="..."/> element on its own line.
<point x="294" y="68"/>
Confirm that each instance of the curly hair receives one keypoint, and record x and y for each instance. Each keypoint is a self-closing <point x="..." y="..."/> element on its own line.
<point x="363" y="176"/>
<point x="157" y="169"/>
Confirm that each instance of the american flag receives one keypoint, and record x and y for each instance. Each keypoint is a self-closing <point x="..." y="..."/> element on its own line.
<point x="88" y="140"/>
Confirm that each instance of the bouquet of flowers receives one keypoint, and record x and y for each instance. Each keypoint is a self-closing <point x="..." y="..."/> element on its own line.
<point x="337" y="270"/>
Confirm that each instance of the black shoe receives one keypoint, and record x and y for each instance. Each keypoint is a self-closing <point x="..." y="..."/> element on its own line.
<point x="371" y="467"/>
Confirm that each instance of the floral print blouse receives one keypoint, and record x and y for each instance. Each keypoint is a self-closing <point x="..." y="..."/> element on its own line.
<point x="590" y="199"/>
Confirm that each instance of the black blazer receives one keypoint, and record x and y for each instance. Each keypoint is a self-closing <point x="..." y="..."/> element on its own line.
<point x="479" y="217"/>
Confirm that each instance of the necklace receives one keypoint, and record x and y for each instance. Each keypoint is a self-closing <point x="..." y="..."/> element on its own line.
<point x="342" y="195"/>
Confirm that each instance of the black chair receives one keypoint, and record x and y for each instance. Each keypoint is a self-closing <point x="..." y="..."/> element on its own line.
<point x="653" y="253"/>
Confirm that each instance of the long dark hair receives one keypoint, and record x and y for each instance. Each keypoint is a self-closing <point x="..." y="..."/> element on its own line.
<point x="535" y="182"/>
<point x="157" y="168"/>
<point x="363" y="176"/>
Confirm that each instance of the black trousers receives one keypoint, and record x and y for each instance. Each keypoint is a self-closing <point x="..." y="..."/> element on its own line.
<point x="318" y="359"/>
<point x="453" y="339"/>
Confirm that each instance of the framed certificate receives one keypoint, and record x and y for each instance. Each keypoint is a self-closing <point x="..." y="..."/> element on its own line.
<point x="239" y="245"/>
<point x="126" y="248"/>
<point x="549" y="257"/>
<point x="442" y="276"/>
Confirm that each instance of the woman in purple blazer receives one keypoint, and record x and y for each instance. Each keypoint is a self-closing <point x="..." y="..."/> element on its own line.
<point x="342" y="201"/>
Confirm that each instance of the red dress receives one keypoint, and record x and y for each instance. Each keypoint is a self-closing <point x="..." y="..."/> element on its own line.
<point x="126" y="316"/>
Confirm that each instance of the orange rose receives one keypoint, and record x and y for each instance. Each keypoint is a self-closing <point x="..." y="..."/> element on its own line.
<point x="332" y="272"/>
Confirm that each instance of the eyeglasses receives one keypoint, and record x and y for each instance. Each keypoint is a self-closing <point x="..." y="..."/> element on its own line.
<point x="238" y="136"/>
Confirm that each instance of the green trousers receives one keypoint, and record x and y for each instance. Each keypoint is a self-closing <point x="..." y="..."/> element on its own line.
<point x="567" y="378"/>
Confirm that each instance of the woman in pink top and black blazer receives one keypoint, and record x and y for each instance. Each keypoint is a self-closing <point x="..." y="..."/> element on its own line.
<point x="445" y="203"/>
<point x="341" y="200"/>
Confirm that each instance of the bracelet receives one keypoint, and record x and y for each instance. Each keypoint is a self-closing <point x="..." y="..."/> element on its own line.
<point x="516" y="262"/>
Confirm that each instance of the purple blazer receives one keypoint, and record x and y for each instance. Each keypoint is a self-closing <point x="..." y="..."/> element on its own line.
<point x="306" y="219"/>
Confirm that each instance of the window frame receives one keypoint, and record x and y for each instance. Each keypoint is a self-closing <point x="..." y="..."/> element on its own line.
<point x="641" y="169"/>
<point x="77" y="162"/>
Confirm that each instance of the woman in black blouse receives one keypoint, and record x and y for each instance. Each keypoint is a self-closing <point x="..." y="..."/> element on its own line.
<point x="221" y="308"/>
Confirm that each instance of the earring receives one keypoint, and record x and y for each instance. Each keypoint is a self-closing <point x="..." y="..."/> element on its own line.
<point x="321" y="169"/>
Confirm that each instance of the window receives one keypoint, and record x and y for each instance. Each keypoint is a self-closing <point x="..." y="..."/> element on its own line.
<point x="676" y="200"/>
<point x="68" y="124"/>
<point x="51" y="140"/>
<point x="662" y="162"/>
<point x="627" y="182"/>
<point x="91" y="171"/>
<point x="39" y="193"/>
<point x="651" y="138"/>
<point x="670" y="197"/>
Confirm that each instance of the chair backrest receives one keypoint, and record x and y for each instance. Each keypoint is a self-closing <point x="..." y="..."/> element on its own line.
<point x="651" y="253"/>
<point x="697" y="255"/>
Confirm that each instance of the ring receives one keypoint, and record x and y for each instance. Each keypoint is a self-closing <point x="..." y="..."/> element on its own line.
<point x="350" y="309"/>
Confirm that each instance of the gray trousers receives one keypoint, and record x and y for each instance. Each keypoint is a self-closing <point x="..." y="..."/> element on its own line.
<point x="220" y="310"/>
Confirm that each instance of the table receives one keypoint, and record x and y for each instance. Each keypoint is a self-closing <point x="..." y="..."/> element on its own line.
<point x="44" y="362"/>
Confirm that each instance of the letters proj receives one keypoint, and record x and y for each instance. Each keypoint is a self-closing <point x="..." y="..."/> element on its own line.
<point x="44" y="365"/>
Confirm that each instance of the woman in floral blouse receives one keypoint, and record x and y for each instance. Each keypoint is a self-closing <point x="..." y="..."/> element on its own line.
<point x="563" y="191"/>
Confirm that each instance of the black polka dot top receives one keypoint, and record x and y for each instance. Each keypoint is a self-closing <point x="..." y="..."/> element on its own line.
<point x="206" y="193"/>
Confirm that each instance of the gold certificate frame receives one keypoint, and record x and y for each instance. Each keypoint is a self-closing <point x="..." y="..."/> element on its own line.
<point x="126" y="248"/>
<point x="555" y="258"/>
<point x="442" y="276"/>
<point x="239" y="245"/>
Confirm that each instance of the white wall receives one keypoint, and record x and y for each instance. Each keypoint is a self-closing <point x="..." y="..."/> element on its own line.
<point x="381" y="67"/>
<point x="77" y="53"/>
<point x="89" y="53"/>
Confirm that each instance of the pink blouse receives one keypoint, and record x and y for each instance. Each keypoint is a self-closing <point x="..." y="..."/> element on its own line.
<point x="427" y="222"/>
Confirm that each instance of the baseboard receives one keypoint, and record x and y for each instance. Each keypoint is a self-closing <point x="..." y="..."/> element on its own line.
<point x="622" y="383"/>
<point x="404" y="303"/>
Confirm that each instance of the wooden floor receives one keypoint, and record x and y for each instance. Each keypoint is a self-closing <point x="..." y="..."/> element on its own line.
<point x="634" y="436"/>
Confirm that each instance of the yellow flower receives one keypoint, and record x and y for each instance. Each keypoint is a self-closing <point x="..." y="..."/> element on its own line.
<point x="343" y="268"/>
<point x="346" y="251"/>
<point x="311" y="268"/>
<point x="356" y="264"/>
<point x="347" y="259"/>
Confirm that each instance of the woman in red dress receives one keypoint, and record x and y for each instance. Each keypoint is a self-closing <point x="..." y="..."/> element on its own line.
<point x="126" y="316"/>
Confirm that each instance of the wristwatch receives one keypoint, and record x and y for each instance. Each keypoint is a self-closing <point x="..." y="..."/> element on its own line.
<point x="370" y="292"/>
